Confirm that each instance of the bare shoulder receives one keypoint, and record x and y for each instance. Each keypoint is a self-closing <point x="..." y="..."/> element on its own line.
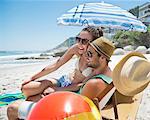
<point x="73" y="49"/>
<point x="96" y="83"/>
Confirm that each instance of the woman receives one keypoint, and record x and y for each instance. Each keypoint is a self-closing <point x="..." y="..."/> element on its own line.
<point x="34" y="89"/>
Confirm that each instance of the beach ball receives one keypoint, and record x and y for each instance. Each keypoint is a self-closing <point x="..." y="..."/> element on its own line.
<point x="64" y="106"/>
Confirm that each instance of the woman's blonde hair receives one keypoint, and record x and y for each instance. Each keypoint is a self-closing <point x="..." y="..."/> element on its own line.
<point x="96" y="32"/>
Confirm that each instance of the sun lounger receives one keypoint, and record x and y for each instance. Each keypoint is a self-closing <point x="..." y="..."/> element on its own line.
<point x="127" y="107"/>
<point x="120" y="108"/>
<point x="129" y="81"/>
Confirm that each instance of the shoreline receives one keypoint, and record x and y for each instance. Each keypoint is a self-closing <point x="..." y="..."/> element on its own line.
<point x="12" y="76"/>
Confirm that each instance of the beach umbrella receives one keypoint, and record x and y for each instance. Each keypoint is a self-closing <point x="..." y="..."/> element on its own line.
<point x="103" y="15"/>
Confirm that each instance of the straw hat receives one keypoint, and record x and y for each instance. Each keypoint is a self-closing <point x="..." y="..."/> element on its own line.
<point x="132" y="74"/>
<point x="103" y="46"/>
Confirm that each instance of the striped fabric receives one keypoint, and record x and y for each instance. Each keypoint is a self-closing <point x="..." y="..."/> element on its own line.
<point x="101" y="14"/>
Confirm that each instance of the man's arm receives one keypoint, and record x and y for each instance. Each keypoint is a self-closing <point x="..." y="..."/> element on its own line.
<point x="93" y="87"/>
<point x="72" y="87"/>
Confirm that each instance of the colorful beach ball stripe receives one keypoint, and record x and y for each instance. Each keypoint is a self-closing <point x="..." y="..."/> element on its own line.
<point x="65" y="106"/>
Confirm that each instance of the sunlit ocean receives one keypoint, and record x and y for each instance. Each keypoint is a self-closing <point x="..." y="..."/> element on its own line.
<point x="9" y="57"/>
<point x="10" y="53"/>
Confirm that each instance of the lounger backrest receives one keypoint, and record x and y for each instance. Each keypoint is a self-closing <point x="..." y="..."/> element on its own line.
<point x="104" y="96"/>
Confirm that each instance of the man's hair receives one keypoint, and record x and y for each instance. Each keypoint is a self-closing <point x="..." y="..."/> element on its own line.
<point x="96" y="32"/>
<point x="99" y="55"/>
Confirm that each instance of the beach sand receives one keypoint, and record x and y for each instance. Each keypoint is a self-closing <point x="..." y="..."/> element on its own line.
<point x="11" y="77"/>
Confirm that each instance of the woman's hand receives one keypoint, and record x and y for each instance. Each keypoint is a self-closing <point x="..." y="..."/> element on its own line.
<point x="26" y="81"/>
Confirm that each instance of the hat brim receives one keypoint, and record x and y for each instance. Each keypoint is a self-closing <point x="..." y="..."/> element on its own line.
<point x="116" y="76"/>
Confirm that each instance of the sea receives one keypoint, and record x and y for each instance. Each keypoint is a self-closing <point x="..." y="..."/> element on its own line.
<point x="9" y="57"/>
<point x="11" y="53"/>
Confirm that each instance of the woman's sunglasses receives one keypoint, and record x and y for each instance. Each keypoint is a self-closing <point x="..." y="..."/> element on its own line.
<point x="82" y="41"/>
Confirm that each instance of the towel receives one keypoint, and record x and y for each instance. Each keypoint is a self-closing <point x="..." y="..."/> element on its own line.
<point x="6" y="99"/>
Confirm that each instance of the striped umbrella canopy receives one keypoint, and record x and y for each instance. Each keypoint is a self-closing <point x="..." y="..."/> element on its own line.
<point x="103" y="15"/>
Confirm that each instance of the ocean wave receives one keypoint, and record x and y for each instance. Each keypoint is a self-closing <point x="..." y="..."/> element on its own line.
<point x="10" y="53"/>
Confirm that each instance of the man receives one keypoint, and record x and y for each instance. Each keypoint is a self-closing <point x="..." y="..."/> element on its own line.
<point x="98" y="56"/>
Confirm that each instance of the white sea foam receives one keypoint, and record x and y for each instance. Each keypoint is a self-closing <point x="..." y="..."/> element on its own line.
<point x="11" y="57"/>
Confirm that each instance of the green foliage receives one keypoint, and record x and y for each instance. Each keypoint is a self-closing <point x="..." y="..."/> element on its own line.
<point x="118" y="34"/>
<point x="148" y="28"/>
<point x="143" y="39"/>
<point x="124" y="38"/>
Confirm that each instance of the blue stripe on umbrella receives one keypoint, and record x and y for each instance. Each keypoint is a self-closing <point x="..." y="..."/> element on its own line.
<point x="110" y="14"/>
<point x="108" y="17"/>
<point x="101" y="14"/>
<point x="104" y="23"/>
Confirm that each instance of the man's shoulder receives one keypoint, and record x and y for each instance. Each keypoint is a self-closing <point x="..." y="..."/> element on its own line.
<point x="103" y="77"/>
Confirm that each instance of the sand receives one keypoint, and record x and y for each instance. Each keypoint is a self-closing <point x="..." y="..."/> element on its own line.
<point x="11" y="77"/>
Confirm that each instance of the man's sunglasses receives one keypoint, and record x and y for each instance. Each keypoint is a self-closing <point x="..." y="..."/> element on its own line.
<point x="82" y="41"/>
<point x="89" y="54"/>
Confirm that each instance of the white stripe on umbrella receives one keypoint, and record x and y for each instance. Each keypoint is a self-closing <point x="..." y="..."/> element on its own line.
<point x="101" y="14"/>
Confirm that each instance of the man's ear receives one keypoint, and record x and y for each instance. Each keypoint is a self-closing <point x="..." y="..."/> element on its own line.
<point x="102" y="58"/>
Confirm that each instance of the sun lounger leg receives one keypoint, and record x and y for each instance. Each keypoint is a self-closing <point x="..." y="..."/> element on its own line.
<point x="114" y="100"/>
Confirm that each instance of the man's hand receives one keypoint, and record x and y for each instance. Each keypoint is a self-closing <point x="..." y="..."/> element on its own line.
<point x="48" y="91"/>
<point x="80" y="84"/>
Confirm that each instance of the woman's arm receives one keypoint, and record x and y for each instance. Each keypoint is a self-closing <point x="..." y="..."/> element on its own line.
<point x="61" y="61"/>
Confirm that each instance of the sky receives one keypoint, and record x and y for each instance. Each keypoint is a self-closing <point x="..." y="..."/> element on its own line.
<point x="32" y="24"/>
